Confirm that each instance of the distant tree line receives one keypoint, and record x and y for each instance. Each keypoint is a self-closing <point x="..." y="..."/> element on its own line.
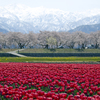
<point x="47" y="39"/>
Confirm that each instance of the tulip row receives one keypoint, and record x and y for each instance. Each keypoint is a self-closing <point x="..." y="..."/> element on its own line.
<point x="38" y="81"/>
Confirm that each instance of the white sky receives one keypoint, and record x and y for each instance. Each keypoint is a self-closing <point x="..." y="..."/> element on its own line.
<point x="66" y="5"/>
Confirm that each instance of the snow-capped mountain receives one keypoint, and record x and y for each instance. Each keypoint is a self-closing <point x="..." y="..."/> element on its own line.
<point x="20" y="18"/>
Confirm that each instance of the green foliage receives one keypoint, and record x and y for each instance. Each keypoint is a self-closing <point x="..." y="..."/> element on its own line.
<point x="51" y="41"/>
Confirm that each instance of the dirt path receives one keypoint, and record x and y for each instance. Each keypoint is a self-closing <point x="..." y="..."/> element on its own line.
<point x="16" y="54"/>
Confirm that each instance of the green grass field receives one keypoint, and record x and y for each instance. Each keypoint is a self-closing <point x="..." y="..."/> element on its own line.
<point x="60" y="51"/>
<point x="53" y="50"/>
<point x="6" y="50"/>
<point x="50" y="59"/>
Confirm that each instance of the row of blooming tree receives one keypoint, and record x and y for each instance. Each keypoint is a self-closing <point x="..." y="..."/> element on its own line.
<point x="47" y="39"/>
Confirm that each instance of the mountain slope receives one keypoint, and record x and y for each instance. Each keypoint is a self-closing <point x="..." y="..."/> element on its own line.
<point x="3" y="30"/>
<point x="87" y="28"/>
<point x="20" y="18"/>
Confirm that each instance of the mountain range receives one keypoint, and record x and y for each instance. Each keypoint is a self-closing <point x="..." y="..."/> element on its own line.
<point x="20" y="18"/>
<point x="86" y="28"/>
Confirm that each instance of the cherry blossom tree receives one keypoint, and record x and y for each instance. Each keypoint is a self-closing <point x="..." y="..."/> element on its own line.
<point x="3" y="40"/>
<point x="95" y="37"/>
<point x="47" y="39"/>
<point x="43" y="38"/>
<point x="81" y="39"/>
<point x="32" y="37"/>
<point x="19" y="38"/>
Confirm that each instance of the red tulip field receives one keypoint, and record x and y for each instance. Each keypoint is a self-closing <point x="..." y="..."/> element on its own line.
<point x="39" y="81"/>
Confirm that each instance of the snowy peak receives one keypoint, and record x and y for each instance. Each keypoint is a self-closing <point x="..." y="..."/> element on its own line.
<point x="23" y="12"/>
<point x="24" y="19"/>
<point x="23" y="9"/>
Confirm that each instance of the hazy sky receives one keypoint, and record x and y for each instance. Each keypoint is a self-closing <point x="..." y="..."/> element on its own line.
<point x="66" y="5"/>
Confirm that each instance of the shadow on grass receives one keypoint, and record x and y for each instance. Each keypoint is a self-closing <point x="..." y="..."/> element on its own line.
<point x="53" y="50"/>
<point x="80" y="50"/>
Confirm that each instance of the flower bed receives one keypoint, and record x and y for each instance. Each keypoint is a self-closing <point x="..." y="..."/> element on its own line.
<point x="38" y="81"/>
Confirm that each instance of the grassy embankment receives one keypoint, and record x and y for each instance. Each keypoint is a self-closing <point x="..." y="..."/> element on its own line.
<point x="6" y="50"/>
<point x="53" y="50"/>
<point x="60" y="51"/>
<point x="51" y="59"/>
